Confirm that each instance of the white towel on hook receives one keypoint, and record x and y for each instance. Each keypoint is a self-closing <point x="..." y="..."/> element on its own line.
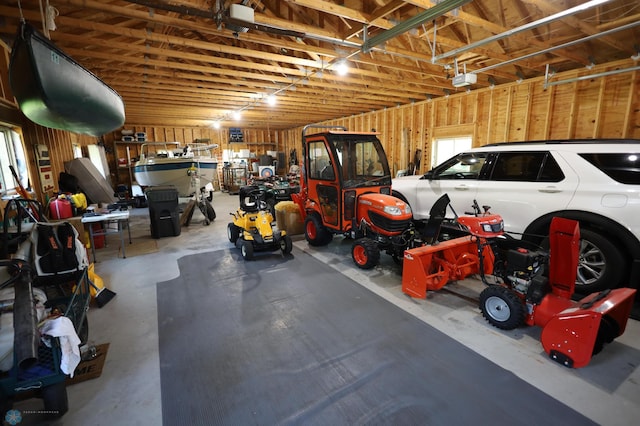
<point x="63" y="329"/>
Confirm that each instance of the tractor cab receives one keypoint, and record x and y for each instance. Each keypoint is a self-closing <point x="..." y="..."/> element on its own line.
<point x="339" y="167"/>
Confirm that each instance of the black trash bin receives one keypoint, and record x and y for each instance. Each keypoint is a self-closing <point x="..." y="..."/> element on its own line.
<point x="163" y="211"/>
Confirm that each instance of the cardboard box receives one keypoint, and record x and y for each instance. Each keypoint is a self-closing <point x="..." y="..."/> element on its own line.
<point x="91" y="368"/>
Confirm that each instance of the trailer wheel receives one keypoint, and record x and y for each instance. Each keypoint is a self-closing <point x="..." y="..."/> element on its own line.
<point x="55" y="399"/>
<point x="365" y="253"/>
<point x="247" y="250"/>
<point x="501" y="307"/>
<point x="286" y="245"/>
<point x="233" y="232"/>
<point x="315" y="232"/>
<point x="211" y="213"/>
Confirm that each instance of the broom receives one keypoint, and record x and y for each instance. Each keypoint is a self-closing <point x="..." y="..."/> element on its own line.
<point x="103" y="295"/>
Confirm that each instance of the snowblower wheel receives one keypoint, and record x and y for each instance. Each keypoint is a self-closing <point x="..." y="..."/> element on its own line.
<point x="286" y="245"/>
<point x="233" y="232"/>
<point x="315" y="232"/>
<point x="247" y="250"/>
<point x="365" y="253"/>
<point x="501" y="307"/>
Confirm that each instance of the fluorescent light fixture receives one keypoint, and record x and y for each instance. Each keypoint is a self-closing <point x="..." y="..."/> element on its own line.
<point x="271" y="100"/>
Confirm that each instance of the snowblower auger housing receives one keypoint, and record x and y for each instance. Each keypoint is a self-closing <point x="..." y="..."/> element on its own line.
<point x="574" y="331"/>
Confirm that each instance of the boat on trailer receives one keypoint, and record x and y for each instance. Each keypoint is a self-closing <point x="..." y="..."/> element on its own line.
<point x="186" y="167"/>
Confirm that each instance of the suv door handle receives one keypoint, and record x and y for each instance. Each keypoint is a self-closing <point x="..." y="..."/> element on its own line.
<point x="550" y="190"/>
<point x="462" y="187"/>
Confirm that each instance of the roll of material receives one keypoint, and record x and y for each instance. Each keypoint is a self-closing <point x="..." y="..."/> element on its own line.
<point x="25" y="320"/>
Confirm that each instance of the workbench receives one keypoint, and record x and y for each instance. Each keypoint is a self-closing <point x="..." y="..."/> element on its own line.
<point x="118" y="218"/>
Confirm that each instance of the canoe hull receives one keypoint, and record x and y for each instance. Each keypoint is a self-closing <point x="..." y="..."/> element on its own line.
<point x="54" y="91"/>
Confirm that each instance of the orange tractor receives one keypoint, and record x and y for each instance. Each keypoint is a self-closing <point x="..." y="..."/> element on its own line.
<point x="345" y="189"/>
<point x="525" y="285"/>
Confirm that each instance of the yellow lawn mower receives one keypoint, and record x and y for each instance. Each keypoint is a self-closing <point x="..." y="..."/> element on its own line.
<point x="254" y="228"/>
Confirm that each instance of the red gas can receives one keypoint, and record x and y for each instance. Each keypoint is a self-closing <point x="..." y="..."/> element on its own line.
<point x="60" y="208"/>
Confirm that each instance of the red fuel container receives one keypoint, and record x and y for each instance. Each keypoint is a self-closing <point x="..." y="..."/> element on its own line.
<point x="60" y="209"/>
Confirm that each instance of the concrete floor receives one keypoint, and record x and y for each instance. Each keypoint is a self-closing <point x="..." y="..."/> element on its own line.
<point x="128" y="392"/>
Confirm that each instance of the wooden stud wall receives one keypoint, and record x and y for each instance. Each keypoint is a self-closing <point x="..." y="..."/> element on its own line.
<point x="605" y="107"/>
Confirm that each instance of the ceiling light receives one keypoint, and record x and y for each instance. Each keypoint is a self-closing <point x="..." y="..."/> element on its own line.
<point x="271" y="100"/>
<point x="216" y="124"/>
<point x="237" y="115"/>
<point x="342" y="68"/>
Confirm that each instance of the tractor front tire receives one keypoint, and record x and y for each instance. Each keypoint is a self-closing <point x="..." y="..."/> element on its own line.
<point x="247" y="250"/>
<point x="233" y="232"/>
<point x="315" y="232"/>
<point x="502" y="308"/>
<point x="286" y="245"/>
<point x="365" y="253"/>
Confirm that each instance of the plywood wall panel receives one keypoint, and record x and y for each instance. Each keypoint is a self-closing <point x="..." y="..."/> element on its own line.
<point x="586" y="108"/>
<point x="615" y="103"/>
<point x="518" y="112"/>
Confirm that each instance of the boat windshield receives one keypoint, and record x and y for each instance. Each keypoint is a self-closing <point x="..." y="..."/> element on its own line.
<point x="177" y="150"/>
<point x="362" y="161"/>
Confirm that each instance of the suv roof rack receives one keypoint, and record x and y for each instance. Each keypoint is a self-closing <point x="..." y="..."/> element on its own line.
<point x="568" y="142"/>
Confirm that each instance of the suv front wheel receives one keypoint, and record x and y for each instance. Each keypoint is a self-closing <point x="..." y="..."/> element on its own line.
<point x="600" y="263"/>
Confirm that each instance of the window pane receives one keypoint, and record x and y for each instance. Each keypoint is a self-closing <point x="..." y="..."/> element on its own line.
<point x="622" y="167"/>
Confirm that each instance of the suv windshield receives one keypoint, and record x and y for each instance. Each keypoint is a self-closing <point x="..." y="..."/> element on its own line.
<point x="362" y="161"/>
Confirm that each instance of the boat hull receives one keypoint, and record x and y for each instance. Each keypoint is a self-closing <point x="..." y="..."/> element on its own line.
<point x="54" y="91"/>
<point x="177" y="172"/>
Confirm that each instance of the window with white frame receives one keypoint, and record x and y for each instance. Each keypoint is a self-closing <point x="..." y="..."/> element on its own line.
<point x="445" y="148"/>
<point x="12" y="154"/>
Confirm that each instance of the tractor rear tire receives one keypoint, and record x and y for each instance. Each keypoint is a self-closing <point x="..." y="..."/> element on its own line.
<point x="286" y="245"/>
<point x="502" y="308"/>
<point x="365" y="253"/>
<point x="247" y="250"/>
<point x="315" y="232"/>
<point x="233" y="232"/>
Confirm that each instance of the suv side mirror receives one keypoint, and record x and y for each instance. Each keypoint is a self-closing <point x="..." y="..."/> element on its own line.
<point x="428" y="175"/>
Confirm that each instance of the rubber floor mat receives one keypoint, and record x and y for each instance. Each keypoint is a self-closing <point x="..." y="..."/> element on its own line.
<point x="287" y="340"/>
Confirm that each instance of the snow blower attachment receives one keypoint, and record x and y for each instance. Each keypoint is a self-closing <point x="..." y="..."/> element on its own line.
<point x="529" y="286"/>
<point x="572" y="332"/>
<point x="431" y="267"/>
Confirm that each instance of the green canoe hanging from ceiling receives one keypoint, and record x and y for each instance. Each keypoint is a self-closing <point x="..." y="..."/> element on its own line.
<point x="55" y="91"/>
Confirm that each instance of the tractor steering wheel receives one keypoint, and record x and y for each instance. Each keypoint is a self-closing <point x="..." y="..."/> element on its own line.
<point x="257" y="196"/>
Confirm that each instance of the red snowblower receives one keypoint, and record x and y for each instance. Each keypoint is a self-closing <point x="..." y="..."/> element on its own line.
<point x="529" y="286"/>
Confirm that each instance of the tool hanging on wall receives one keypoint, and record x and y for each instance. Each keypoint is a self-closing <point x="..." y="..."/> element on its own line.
<point x="25" y="194"/>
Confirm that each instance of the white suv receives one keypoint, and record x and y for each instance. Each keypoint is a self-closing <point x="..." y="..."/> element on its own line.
<point x="596" y="182"/>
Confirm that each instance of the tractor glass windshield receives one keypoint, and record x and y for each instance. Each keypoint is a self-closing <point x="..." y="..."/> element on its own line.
<point x="362" y="161"/>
